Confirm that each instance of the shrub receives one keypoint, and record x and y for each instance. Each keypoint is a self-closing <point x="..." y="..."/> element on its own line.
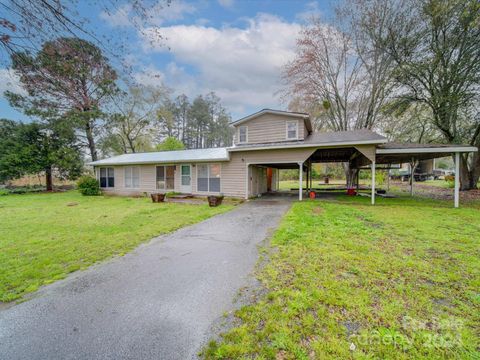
<point x="89" y="186"/>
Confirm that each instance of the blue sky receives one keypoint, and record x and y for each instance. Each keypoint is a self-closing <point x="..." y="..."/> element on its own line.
<point x="232" y="47"/>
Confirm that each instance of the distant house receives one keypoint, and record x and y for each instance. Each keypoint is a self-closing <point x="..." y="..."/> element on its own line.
<point x="264" y="142"/>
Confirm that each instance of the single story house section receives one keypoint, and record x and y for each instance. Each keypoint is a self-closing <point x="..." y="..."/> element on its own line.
<point x="264" y="143"/>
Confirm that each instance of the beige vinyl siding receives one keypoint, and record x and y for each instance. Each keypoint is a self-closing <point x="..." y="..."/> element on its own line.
<point x="234" y="172"/>
<point x="269" y="128"/>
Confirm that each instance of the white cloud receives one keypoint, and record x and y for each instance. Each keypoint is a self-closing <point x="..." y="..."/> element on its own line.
<point x="312" y="10"/>
<point x="150" y="76"/>
<point x="226" y="3"/>
<point x="242" y="65"/>
<point x="10" y="81"/>
<point x="154" y="16"/>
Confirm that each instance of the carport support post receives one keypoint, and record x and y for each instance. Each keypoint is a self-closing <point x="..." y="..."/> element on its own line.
<point x="300" y="181"/>
<point x="457" y="180"/>
<point x="373" y="182"/>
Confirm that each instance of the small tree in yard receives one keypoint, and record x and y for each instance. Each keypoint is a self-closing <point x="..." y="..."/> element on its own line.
<point x="35" y="148"/>
<point x="68" y="78"/>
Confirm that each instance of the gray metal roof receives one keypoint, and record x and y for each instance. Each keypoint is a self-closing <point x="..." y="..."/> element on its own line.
<point x="198" y="155"/>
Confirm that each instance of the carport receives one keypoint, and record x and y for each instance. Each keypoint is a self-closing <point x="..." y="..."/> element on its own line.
<point x="369" y="156"/>
<point x="388" y="154"/>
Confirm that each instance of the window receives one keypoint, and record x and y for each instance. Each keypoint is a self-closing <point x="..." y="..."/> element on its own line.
<point x="292" y="129"/>
<point x="166" y="177"/>
<point x="208" y="177"/>
<point x="132" y="177"/>
<point x="242" y="134"/>
<point x="107" y="178"/>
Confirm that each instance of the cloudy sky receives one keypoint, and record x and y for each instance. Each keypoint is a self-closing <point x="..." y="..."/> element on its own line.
<point x="235" y="48"/>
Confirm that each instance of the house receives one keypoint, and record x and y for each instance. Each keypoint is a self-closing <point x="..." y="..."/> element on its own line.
<point x="264" y="143"/>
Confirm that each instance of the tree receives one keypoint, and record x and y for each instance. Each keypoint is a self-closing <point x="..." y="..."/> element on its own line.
<point x="338" y="75"/>
<point x="133" y="125"/>
<point x="169" y="144"/>
<point x="208" y="123"/>
<point x="182" y="106"/>
<point x="68" y="78"/>
<point x="35" y="148"/>
<point x="26" y="24"/>
<point x="435" y="45"/>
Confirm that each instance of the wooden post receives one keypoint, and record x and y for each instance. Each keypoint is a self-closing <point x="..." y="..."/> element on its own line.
<point x="300" y="180"/>
<point x="457" y="180"/>
<point x="373" y="182"/>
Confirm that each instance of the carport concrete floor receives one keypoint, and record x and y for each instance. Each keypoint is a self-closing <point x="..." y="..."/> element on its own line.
<point x="160" y="301"/>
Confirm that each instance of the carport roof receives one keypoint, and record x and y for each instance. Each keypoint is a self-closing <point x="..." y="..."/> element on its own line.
<point x="391" y="153"/>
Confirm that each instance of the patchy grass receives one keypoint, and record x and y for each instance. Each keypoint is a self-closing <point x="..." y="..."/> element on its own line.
<point x="43" y="237"/>
<point x="399" y="280"/>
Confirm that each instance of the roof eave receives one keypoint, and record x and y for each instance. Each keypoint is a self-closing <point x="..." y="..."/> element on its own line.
<point x="96" y="163"/>
<point x="310" y="145"/>
<point x="427" y="150"/>
<point x="266" y="111"/>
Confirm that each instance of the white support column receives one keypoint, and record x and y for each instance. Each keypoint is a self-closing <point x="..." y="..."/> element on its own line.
<point x="300" y="180"/>
<point x="412" y="177"/>
<point x="457" y="180"/>
<point x="247" y="177"/>
<point x="373" y="182"/>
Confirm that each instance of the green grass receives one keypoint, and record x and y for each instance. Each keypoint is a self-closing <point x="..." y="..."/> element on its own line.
<point x="398" y="280"/>
<point x="43" y="237"/>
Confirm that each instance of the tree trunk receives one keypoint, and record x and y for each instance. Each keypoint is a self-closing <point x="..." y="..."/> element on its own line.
<point x="469" y="176"/>
<point x="48" y="178"/>
<point x="350" y="175"/>
<point x="91" y="141"/>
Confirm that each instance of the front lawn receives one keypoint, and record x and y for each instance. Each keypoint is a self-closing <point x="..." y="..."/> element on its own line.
<point x="43" y="237"/>
<point x="398" y="280"/>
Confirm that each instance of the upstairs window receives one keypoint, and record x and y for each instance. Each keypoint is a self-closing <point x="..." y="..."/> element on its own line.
<point x="107" y="178"/>
<point x="132" y="177"/>
<point x="242" y="134"/>
<point x="292" y="130"/>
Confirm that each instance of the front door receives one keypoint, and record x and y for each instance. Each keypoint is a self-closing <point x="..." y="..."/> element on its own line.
<point x="186" y="181"/>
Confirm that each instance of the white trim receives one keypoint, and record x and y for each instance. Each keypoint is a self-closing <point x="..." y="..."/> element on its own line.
<point x="201" y="192"/>
<point x="452" y="149"/>
<point x="125" y="177"/>
<point x="267" y="111"/>
<point x="286" y="129"/>
<point x="246" y="135"/>
<point x="312" y="145"/>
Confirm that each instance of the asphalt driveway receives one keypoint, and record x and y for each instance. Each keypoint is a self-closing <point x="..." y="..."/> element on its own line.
<point x="158" y="302"/>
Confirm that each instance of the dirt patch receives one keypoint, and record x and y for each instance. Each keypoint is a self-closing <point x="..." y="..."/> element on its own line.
<point x="437" y="192"/>
<point x="317" y="210"/>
